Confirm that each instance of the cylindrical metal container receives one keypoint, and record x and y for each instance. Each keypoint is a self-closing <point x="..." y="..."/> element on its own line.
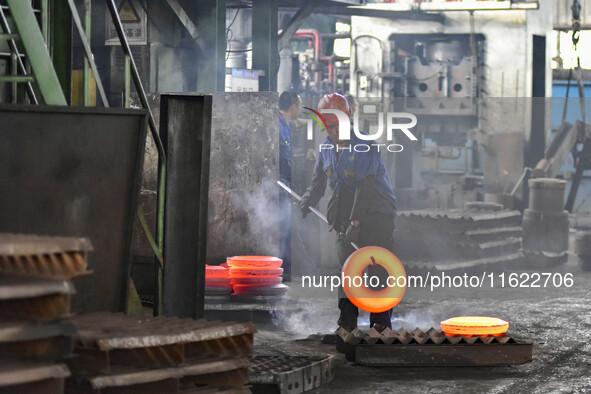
<point x="236" y="56"/>
<point x="546" y="194"/>
<point x="545" y="231"/>
<point x="583" y="244"/>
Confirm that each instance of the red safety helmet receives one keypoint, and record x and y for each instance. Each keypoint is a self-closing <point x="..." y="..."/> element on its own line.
<point x="334" y="101"/>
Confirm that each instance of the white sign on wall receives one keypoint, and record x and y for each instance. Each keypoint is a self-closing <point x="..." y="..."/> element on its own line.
<point x="134" y="19"/>
<point x="242" y="80"/>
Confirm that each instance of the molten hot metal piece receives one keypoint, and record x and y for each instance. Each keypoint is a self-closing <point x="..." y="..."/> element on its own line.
<point x="474" y="325"/>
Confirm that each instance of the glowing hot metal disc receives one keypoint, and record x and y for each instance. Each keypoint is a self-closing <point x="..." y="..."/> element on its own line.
<point x="254" y="262"/>
<point x="474" y="325"/>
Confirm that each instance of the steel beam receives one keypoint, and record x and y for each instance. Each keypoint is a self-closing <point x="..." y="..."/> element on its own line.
<point x="185" y="125"/>
<point x="265" y="54"/>
<point x="32" y="40"/>
<point x="88" y="51"/>
<point x="186" y="21"/>
<point x="16" y="57"/>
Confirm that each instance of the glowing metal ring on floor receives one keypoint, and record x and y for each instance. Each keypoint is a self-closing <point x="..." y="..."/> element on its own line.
<point x="474" y="325"/>
<point x="368" y="299"/>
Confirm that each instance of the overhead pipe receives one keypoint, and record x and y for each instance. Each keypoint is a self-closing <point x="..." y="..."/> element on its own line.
<point x="306" y="33"/>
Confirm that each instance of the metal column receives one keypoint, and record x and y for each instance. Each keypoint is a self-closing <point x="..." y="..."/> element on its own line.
<point x="185" y="126"/>
<point x="210" y="19"/>
<point x="265" y="55"/>
<point x="33" y="41"/>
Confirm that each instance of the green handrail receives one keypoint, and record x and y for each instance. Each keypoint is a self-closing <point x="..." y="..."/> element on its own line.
<point x="159" y="146"/>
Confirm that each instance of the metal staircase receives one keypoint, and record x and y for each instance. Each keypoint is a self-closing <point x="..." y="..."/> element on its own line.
<point x="30" y="63"/>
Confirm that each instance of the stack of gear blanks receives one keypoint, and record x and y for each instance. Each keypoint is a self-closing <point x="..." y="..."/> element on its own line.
<point x="218" y="286"/>
<point x="245" y="277"/>
<point x="256" y="276"/>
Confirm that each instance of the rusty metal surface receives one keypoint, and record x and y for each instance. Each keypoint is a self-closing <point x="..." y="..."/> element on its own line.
<point x="58" y="266"/>
<point x="25" y="244"/>
<point x="117" y="331"/>
<point x="291" y="374"/>
<point x="20" y="372"/>
<point x="431" y="348"/>
<point x="24" y="297"/>
<point x="106" y="340"/>
<point x="15" y="287"/>
<point x="168" y="386"/>
<point x="51" y="349"/>
<point x="129" y="376"/>
<point x="12" y="330"/>
<point x="44" y="308"/>
<point x="30" y="340"/>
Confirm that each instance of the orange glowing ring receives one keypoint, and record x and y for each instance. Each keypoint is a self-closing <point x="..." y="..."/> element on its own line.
<point x="256" y="272"/>
<point x="474" y="325"/>
<point x="254" y="262"/>
<point x="256" y="281"/>
<point x="368" y="299"/>
<point x="218" y="282"/>
<point x="214" y="271"/>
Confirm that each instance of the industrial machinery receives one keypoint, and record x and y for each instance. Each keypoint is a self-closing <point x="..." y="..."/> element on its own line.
<point x="452" y="74"/>
<point x="436" y="77"/>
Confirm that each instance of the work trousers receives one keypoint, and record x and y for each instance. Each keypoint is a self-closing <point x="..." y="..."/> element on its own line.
<point x="376" y="230"/>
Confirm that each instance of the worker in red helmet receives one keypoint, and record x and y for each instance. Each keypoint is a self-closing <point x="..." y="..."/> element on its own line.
<point x="362" y="205"/>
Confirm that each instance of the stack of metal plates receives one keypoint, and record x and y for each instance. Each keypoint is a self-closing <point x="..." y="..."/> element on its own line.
<point x="116" y="353"/>
<point x="35" y="298"/>
<point x="458" y="240"/>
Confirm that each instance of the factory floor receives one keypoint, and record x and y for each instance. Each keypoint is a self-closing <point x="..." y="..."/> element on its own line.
<point x="556" y="320"/>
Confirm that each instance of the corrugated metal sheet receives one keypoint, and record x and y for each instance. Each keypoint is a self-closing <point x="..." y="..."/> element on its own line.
<point x="563" y="14"/>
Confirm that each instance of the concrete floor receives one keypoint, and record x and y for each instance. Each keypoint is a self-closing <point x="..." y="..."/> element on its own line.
<point x="556" y="320"/>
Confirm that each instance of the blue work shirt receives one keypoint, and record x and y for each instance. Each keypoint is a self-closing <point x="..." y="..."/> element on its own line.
<point x="349" y="167"/>
<point x="285" y="150"/>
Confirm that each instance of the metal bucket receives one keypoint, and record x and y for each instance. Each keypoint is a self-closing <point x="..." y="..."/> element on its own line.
<point x="546" y="194"/>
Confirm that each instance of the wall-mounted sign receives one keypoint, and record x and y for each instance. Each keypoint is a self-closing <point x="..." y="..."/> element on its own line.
<point x="242" y="80"/>
<point x="134" y="19"/>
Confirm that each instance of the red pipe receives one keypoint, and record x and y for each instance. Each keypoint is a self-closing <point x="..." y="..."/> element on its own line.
<point x="317" y="51"/>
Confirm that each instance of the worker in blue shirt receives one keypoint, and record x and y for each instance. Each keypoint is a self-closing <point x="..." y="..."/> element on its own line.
<point x="290" y="107"/>
<point x="362" y="205"/>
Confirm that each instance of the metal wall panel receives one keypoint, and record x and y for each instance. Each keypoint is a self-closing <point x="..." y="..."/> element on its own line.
<point x="75" y="172"/>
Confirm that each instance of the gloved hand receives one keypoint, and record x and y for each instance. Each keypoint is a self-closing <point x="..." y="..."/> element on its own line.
<point x="352" y="234"/>
<point x="304" y="207"/>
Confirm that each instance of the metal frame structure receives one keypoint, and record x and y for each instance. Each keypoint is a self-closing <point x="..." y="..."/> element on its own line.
<point x="158" y="247"/>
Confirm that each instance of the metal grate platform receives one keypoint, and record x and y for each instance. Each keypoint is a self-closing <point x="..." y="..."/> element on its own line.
<point x="290" y="374"/>
<point x="119" y="353"/>
<point x="430" y="348"/>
